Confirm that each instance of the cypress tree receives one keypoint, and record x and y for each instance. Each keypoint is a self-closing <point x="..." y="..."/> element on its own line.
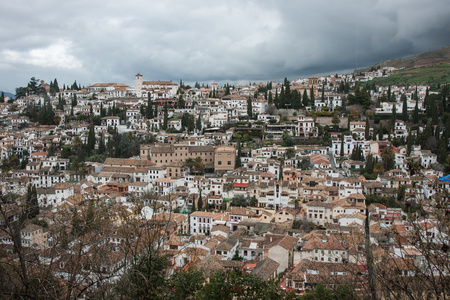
<point x="55" y="86"/>
<point x="156" y="110"/>
<point x="181" y="103"/>
<point x="370" y="163"/>
<point x="166" y="117"/>
<point x="270" y="98"/>
<point x="415" y="115"/>
<point x="198" y="124"/>
<point x="200" y="201"/>
<point x="151" y="112"/>
<point x="409" y="143"/>
<point x="281" y="99"/>
<point x="32" y="205"/>
<point x="394" y="115"/>
<point x="91" y="138"/>
<point x="249" y="108"/>
<point x="193" y="205"/>
<point x="276" y="101"/>
<point x="238" y="157"/>
<point x="101" y="145"/>
<point x="60" y="103"/>
<point x="367" y="130"/>
<point x="323" y="92"/>
<point x="305" y="98"/>
<point x="299" y="99"/>
<point x="405" y="108"/>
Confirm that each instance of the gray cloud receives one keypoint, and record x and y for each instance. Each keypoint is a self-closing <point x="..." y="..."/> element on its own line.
<point x="97" y="41"/>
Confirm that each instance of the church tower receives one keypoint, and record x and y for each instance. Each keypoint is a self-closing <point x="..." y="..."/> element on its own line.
<point x="138" y="85"/>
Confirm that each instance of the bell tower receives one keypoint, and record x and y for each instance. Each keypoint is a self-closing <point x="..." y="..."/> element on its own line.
<point x="138" y="85"/>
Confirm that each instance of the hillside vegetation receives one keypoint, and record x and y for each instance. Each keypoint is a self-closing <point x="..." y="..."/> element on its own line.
<point x="439" y="56"/>
<point x="432" y="75"/>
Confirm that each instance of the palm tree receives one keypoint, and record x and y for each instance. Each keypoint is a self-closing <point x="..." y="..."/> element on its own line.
<point x="189" y="163"/>
<point x="290" y="152"/>
<point x="77" y="166"/>
<point x="77" y="142"/>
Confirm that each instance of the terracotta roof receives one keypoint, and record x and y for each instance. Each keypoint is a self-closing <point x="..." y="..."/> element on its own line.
<point x="265" y="269"/>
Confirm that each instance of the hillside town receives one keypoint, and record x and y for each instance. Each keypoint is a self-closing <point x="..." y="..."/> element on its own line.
<point x="329" y="180"/>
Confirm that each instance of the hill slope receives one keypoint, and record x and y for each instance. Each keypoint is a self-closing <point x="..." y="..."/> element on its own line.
<point x="432" y="75"/>
<point x="438" y="56"/>
<point x="8" y="94"/>
<point x="428" y="68"/>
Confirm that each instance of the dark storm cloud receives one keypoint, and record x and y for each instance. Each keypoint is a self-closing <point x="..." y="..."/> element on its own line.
<point x="93" y="41"/>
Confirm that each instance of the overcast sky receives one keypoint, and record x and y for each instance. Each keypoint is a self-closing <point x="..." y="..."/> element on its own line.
<point x="110" y="41"/>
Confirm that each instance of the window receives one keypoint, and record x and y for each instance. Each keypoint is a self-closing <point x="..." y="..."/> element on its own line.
<point x="229" y="162"/>
<point x="220" y="163"/>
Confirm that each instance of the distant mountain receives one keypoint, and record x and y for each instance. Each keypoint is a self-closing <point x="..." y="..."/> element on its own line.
<point x="439" y="56"/>
<point x="8" y="94"/>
